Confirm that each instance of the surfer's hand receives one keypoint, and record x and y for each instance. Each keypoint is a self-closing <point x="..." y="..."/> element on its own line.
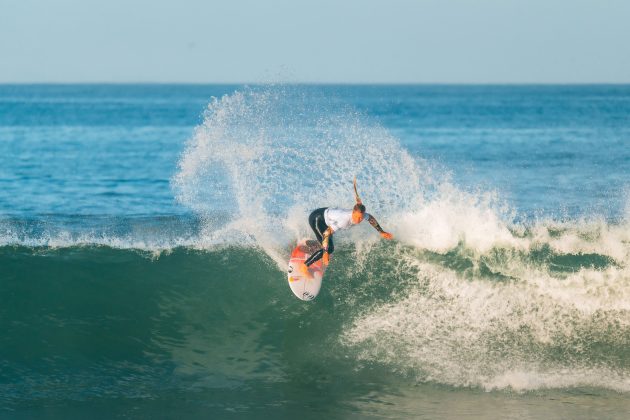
<point x="326" y="258"/>
<point x="387" y="235"/>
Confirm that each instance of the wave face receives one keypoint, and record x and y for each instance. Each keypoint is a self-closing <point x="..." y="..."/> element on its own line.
<point x="471" y="294"/>
<point x="92" y="320"/>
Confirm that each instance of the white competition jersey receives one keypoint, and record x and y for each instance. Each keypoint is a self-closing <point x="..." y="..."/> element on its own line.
<point x="340" y="218"/>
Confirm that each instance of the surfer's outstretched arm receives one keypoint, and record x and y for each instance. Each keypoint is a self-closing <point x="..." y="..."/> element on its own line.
<point x="378" y="227"/>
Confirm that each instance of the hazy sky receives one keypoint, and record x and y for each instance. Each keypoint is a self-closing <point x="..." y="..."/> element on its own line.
<point x="443" y="41"/>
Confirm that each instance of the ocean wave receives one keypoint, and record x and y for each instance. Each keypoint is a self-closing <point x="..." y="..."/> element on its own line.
<point x="465" y="296"/>
<point x="424" y="318"/>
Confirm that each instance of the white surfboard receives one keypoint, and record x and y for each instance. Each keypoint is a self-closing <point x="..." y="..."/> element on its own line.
<point x="303" y="287"/>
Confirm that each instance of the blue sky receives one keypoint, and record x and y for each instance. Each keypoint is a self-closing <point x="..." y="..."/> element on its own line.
<point x="356" y="41"/>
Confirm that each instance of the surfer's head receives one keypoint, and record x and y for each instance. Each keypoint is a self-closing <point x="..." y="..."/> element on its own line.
<point x="358" y="211"/>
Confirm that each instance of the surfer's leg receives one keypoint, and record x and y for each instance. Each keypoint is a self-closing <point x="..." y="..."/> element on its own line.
<point x="320" y="253"/>
<point x="314" y="258"/>
<point x="316" y="220"/>
<point x="319" y="226"/>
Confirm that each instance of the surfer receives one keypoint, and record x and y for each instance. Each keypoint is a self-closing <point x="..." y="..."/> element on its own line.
<point x="327" y="220"/>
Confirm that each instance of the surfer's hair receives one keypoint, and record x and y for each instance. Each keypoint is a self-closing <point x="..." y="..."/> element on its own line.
<point x="359" y="207"/>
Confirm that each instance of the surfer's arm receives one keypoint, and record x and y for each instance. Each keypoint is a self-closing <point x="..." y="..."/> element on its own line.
<point x="326" y="236"/>
<point x="378" y="227"/>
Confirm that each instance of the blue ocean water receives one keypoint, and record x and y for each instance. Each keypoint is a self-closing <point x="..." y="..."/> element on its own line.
<point x="111" y="150"/>
<point x="144" y="231"/>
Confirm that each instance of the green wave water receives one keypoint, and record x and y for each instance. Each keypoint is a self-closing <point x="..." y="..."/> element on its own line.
<point x="97" y="323"/>
<point x="220" y="328"/>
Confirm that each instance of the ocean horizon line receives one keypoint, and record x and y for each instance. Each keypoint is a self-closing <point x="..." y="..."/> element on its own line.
<point x="307" y="83"/>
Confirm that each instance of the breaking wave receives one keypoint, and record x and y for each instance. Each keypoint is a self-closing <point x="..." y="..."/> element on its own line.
<point x="466" y="296"/>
